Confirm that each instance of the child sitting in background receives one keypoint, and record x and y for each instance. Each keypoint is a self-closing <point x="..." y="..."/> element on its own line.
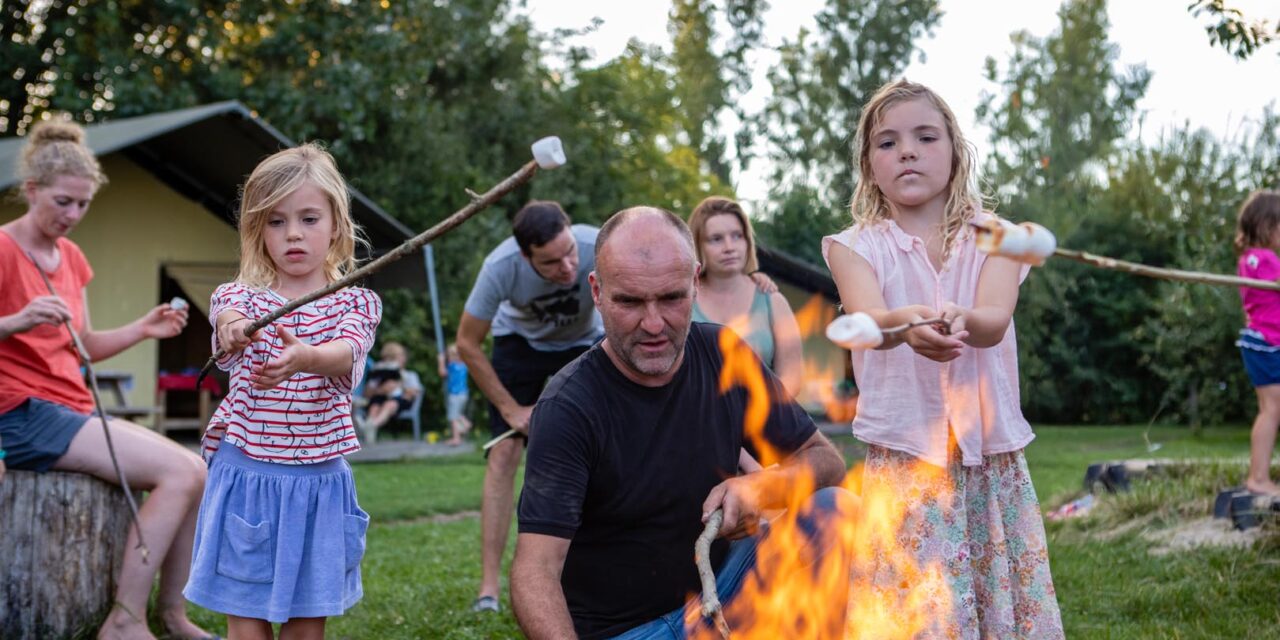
<point x="391" y="389"/>
<point x="454" y="371"/>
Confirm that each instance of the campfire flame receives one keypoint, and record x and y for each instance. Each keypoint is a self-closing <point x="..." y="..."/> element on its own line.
<point x="821" y="374"/>
<point x="790" y="595"/>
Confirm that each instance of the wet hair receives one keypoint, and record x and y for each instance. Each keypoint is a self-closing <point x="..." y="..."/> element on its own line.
<point x="56" y="148"/>
<point x="716" y="206"/>
<point x="622" y="217"/>
<point x="870" y="206"/>
<point x="273" y="180"/>
<point x="538" y="223"/>
<point x="1259" y="220"/>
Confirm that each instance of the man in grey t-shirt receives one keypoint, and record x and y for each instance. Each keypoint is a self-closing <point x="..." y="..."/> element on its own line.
<point x="533" y="293"/>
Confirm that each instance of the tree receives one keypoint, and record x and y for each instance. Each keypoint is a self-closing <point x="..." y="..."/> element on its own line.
<point x="417" y="99"/>
<point x="1231" y="30"/>
<point x="1191" y="330"/>
<point x="826" y="76"/>
<point x="1056" y="125"/>
<point x="819" y="87"/>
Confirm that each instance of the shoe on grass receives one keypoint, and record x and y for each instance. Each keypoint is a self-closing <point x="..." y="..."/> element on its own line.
<point x="485" y="603"/>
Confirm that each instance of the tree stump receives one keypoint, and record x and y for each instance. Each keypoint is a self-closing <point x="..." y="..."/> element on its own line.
<point x="61" y="539"/>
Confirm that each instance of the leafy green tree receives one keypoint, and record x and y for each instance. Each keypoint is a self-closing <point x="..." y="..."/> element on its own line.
<point x="823" y="79"/>
<point x="1060" y="117"/>
<point x="418" y="100"/>
<point x="1230" y="29"/>
<point x="1188" y="337"/>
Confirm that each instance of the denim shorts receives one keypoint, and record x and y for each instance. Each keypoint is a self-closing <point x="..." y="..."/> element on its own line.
<point x="36" y="433"/>
<point x="1261" y="358"/>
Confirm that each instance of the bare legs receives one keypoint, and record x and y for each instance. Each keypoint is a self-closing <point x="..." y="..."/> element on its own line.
<point x="175" y="479"/>
<point x="495" y="512"/>
<point x="1263" y="441"/>
<point x="459" y="426"/>
<point x="254" y="629"/>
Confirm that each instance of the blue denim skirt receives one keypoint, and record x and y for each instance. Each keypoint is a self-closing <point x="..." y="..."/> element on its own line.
<point x="277" y="541"/>
<point x="1261" y="358"/>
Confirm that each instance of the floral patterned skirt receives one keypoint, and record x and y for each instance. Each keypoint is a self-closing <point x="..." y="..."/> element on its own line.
<point x="958" y="552"/>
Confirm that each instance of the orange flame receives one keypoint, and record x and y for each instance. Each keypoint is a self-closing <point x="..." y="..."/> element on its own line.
<point x="821" y="374"/>
<point x="790" y="595"/>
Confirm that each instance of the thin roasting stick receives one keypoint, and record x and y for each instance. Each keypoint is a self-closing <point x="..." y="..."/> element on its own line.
<point x="1135" y="268"/>
<point x="478" y="202"/>
<point x="83" y="354"/>
<point x="711" y="607"/>
<point x="506" y="434"/>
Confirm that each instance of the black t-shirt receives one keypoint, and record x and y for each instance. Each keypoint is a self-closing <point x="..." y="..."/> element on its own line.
<point x="622" y="470"/>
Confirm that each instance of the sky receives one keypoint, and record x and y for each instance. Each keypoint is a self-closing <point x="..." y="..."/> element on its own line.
<point x="1192" y="81"/>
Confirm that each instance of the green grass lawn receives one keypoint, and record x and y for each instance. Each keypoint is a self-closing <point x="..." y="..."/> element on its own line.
<point x="423" y="564"/>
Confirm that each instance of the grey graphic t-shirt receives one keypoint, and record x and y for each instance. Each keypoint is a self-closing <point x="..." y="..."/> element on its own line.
<point x="552" y="317"/>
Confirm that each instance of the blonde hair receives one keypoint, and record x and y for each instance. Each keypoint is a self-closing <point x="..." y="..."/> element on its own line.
<point x="394" y="349"/>
<point x="56" y="149"/>
<point x="273" y="180"/>
<point x="870" y="206"/>
<point x="716" y="206"/>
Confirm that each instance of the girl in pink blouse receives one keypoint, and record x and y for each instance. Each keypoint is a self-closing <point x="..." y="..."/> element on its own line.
<point x="280" y="535"/>
<point x="1257" y="236"/>
<point x="939" y="405"/>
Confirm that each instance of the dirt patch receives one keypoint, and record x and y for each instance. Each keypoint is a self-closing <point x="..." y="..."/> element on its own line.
<point x="1200" y="532"/>
<point x="439" y="518"/>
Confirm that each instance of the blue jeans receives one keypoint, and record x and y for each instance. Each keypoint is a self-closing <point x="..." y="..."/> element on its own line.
<point x="815" y="518"/>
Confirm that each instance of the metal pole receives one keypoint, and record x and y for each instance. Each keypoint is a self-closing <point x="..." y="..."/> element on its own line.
<point x="435" y="312"/>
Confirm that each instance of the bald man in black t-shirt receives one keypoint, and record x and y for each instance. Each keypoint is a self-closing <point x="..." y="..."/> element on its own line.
<point x="634" y="445"/>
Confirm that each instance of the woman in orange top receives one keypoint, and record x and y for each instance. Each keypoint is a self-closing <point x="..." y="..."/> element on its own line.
<point x="45" y="407"/>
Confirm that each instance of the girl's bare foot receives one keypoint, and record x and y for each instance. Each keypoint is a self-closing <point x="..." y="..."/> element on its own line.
<point x="1267" y="488"/>
<point x="180" y="627"/>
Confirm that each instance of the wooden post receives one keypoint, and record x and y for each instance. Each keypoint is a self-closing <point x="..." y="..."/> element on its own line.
<point x="61" y="539"/>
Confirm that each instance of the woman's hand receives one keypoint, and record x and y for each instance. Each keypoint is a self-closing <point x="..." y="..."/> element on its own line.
<point x="42" y="310"/>
<point x="163" y="322"/>
<point x="763" y="282"/>
<point x="296" y="356"/>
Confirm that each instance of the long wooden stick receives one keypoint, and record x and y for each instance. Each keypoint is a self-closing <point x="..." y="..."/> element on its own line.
<point x="411" y="245"/>
<point x="1136" y="268"/>
<point x="83" y="354"/>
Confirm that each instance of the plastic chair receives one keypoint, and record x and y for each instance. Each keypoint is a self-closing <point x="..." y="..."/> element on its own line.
<point x="414" y="415"/>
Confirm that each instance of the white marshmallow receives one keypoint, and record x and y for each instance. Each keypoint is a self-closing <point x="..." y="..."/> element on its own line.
<point x="855" y="331"/>
<point x="549" y="152"/>
<point x="1014" y="242"/>
<point x="1042" y="244"/>
<point x="178" y="304"/>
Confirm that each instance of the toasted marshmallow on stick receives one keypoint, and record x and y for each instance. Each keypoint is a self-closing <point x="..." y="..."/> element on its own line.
<point x="855" y="331"/>
<point x="1042" y="244"/>
<point x="1027" y="242"/>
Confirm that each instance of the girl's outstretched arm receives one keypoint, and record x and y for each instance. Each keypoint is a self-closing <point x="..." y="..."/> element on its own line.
<point x="331" y="359"/>
<point x="860" y="291"/>
<point x="997" y="296"/>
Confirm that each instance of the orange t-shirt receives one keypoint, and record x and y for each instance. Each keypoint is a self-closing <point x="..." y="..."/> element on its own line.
<point x="42" y="363"/>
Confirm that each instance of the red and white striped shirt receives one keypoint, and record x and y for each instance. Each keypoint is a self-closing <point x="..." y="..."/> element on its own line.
<point x="307" y="418"/>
